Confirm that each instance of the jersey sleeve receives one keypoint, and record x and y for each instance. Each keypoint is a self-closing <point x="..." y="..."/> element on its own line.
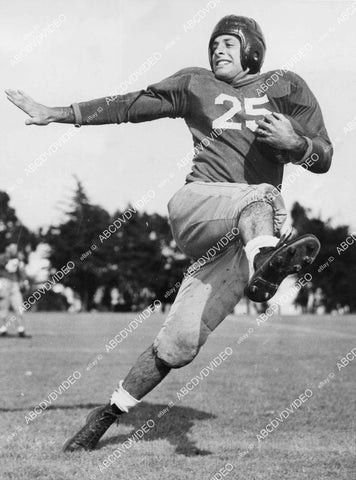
<point x="168" y="98"/>
<point x="305" y="109"/>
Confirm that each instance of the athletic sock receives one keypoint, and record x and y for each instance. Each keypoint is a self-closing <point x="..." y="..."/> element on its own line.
<point x="253" y="247"/>
<point x="122" y="399"/>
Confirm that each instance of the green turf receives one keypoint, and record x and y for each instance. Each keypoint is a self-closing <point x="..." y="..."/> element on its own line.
<point x="215" y="424"/>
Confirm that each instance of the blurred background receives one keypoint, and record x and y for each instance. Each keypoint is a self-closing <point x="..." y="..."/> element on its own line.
<point x="60" y="191"/>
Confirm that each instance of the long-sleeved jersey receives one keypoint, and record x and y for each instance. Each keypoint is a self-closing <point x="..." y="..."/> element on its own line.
<point x="222" y="119"/>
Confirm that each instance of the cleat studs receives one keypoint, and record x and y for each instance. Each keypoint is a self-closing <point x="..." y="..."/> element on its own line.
<point x="297" y="268"/>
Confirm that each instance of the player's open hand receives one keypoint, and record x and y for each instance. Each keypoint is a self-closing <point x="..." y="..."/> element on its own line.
<point x="39" y="114"/>
<point x="277" y="131"/>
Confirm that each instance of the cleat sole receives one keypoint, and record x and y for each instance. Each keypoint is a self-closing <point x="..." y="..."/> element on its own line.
<point x="286" y="260"/>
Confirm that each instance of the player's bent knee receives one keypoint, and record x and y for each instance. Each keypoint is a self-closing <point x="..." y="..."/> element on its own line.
<point x="264" y="193"/>
<point x="270" y="194"/>
<point x="173" y="353"/>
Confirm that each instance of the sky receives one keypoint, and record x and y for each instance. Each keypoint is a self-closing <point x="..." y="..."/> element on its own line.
<point x="80" y="50"/>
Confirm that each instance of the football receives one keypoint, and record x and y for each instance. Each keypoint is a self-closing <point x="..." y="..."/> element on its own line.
<point x="282" y="156"/>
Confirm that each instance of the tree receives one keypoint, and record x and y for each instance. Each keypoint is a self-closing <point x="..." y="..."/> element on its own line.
<point x="11" y="228"/>
<point x="144" y="270"/>
<point x="76" y="240"/>
<point x="334" y="270"/>
<point x="172" y="262"/>
<point x="127" y="251"/>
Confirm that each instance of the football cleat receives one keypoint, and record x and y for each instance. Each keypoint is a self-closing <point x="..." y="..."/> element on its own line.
<point x="97" y="422"/>
<point x="273" y="264"/>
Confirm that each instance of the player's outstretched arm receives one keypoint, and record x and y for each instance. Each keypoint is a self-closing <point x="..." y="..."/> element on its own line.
<point x="168" y="98"/>
<point x="39" y="114"/>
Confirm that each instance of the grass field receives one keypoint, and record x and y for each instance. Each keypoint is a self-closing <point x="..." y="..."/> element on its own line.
<point x="214" y="426"/>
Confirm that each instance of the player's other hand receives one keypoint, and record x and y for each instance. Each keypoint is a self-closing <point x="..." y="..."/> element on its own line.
<point x="277" y="131"/>
<point x="38" y="114"/>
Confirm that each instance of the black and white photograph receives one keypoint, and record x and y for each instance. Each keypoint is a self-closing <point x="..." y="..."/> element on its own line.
<point x="178" y="240"/>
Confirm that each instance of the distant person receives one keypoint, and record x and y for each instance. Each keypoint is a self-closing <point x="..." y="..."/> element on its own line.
<point x="12" y="279"/>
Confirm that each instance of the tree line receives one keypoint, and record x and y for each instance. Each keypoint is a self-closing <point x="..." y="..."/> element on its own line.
<point x="135" y="254"/>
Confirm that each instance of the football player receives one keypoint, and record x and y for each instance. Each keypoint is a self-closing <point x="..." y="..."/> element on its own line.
<point x="12" y="279"/>
<point x="234" y="186"/>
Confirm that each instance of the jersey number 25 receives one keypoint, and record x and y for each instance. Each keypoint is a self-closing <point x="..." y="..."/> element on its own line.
<point x="224" y="121"/>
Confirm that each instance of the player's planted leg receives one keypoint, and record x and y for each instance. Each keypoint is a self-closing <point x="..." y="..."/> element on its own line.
<point x="271" y="259"/>
<point x="146" y="374"/>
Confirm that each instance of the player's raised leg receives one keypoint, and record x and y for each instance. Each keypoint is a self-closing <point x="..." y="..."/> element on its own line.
<point x="271" y="259"/>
